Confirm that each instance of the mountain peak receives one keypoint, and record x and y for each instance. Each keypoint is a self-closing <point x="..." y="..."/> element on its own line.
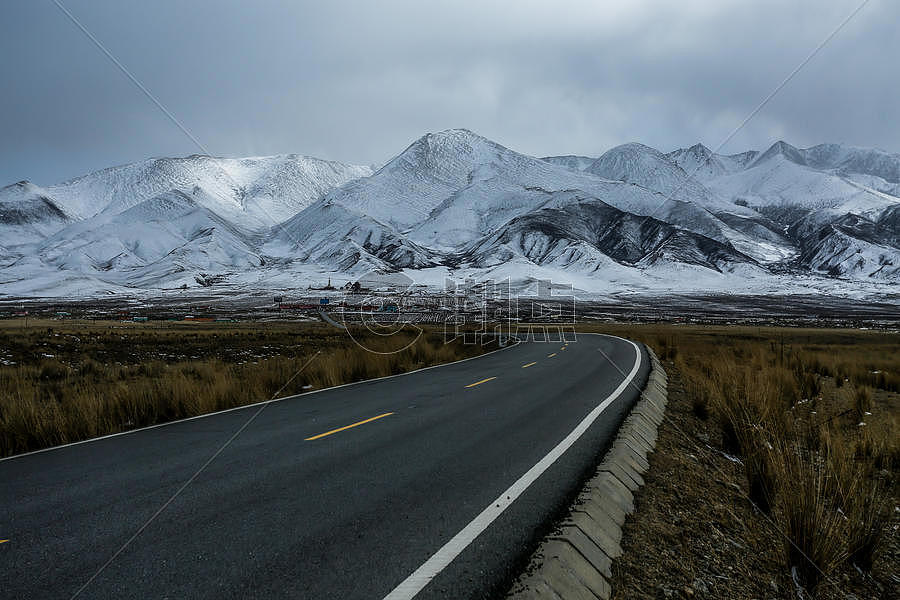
<point x="19" y="186"/>
<point x="448" y="155"/>
<point x="649" y="168"/>
<point x="457" y="132"/>
<point x="456" y="139"/>
<point x="621" y="162"/>
<point x="699" y="161"/>
<point x="700" y="150"/>
<point x="636" y="147"/>
<point x="782" y="148"/>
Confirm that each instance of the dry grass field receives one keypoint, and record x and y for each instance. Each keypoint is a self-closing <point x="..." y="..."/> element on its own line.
<point x="808" y="420"/>
<point x="63" y="381"/>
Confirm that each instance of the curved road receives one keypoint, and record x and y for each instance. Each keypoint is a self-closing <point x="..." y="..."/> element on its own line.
<point x="440" y="489"/>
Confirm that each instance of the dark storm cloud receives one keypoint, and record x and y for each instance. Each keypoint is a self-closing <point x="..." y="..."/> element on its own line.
<point x="359" y="81"/>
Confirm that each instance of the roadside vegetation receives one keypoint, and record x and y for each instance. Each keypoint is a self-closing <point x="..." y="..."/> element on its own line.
<point x="811" y="416"/>
<point x="64" y="381"/>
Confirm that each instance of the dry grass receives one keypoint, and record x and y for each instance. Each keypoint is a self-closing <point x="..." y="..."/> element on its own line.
<point x="812" y="414"/>
<point x="86" y="380"/>
<point x="815" y="541"/>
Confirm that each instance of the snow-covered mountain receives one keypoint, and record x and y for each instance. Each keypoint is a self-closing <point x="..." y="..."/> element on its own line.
<point x="28" y="214"/>
<point x="454" y="202"/>
<point x="452" y="187"/>
<point x="261" y="191"/>
<point x="586" y="234"/>
<point x="345" y="241"/>
<point x="721" y="219"/>
<point x="780" y="178"/>
<point x="171" y="236"/>
<point x="650" y="168"/>
<point x="702" y="164"/>
<point x="828" y="200"/>
<point x="850" y="245"/>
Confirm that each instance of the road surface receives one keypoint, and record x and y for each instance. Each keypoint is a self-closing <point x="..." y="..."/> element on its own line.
<point x="435" y="484"/>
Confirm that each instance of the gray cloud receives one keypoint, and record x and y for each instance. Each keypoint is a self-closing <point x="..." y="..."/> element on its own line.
<point x="359" y="81"/>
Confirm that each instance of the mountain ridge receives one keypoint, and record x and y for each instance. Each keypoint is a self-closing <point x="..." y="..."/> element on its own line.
<point x="454" y="202"/>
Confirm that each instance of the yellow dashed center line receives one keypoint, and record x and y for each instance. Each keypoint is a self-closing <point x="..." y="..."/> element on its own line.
<point x="321" y="435"/>
<point x="480" y="382"/>
<point x="551" y="355"/>
<point x="529" y="364"/>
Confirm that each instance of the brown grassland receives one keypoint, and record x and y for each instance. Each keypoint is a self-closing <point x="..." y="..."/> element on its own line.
<point x="63" y="381"/>
<point x="810" y="418"/>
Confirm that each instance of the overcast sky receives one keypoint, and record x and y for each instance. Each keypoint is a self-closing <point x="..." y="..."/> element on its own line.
<point x="359" y="81"/>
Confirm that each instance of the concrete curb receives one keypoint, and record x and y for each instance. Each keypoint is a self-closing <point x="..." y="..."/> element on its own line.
<point x="576" y="560"/>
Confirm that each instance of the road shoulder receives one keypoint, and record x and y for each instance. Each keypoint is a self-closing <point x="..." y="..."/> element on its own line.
<point x="575" y="561"/>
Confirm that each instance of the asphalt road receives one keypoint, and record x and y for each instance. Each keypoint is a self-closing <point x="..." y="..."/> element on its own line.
<point x="351" y="514"/>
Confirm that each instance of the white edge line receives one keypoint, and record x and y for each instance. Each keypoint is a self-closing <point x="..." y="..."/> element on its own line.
<point x="422" y="576"/>
<point x="246" y="406"/>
